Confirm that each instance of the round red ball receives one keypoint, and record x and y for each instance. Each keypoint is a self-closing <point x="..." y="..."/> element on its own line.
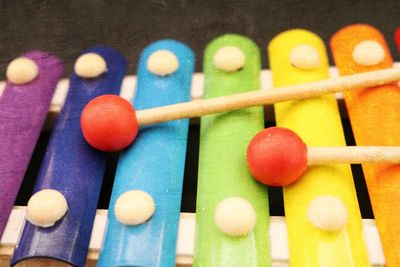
<point x="109" y="123"/>
<point x="277" y="156"/>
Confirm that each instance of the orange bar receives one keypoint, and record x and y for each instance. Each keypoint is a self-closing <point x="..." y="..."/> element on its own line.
<point x="375" y="118"/>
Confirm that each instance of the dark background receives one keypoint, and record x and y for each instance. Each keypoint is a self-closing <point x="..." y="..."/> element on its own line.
<point x="67" y="27"/>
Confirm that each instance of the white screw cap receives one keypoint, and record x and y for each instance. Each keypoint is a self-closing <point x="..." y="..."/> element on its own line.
<point x="229" y="58"/>
<point x="22" y="70"/>
<point x="305" y="57"/>
<point x="46" y="207"/>
<point x="368" y="53"/>
<point x="134" y="207"/>
<point x="162" y="63"/>
<point x="90" y="65"/>
<point x="327" y="213"/>
<point x="235" y="216"/>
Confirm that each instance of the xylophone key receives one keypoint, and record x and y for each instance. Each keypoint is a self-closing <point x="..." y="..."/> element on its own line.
<point x="73" y="168"/>
<point x="397" y="38"/>
<point x="317" y="122"/>
<point x="23" y="110"/>
<point x="222" y="165"/>
<point x="374" y="115"/>
<point x="153" y="164"/>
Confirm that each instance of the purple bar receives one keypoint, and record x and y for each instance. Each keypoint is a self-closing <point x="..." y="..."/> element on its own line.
<point x="23" y="110"/>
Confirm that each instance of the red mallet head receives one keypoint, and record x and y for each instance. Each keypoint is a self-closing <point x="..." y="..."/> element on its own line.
<point x="109" y="123"/>
<point x="277" y="156"/>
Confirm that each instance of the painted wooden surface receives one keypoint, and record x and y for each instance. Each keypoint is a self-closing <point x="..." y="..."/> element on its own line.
<point x="23" y="110"/>
<point x="222" y="164"/>
<point x="73" y="168"/>
<point x="155" y="164"/>
<point x="318" y="123"/>
<point x="374" y="115"/>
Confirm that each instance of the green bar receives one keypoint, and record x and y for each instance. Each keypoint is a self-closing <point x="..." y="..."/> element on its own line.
<point x="222" y="165"/>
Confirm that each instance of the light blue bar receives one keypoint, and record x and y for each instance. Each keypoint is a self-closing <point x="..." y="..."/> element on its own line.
<point x="155" y="164"/>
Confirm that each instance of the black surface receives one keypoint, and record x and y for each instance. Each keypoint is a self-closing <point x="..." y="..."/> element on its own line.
<point x="67" y="27"/>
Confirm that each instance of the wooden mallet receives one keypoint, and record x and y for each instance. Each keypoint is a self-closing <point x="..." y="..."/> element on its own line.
<point x="277" y="156"/>
<point x="110" y="123"/>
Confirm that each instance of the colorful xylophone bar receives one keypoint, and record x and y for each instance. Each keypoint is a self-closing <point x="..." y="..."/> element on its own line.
<point x="222" y="165"/>
<point x="28" y="105"/>
<point x="374" y="115"/>
<point x="72" y="167"/>
<point x="155" y="164"/>
<point x="380" y="179"/>
<point x="317" y="121"/>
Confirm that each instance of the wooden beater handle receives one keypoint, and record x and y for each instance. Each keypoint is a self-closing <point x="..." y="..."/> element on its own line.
<point x="353" y="154"/>
<point x="202" y="107"/>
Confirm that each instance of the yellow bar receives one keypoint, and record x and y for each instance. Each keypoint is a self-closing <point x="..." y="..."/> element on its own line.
<point x="317" y="121"/>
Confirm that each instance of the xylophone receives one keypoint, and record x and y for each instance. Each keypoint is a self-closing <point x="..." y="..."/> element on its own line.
<point x="154" y="164"/>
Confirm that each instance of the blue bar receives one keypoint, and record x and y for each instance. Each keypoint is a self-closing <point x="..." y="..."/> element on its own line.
<point x="155" y="164"/>
<point x="75" y="169"/>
